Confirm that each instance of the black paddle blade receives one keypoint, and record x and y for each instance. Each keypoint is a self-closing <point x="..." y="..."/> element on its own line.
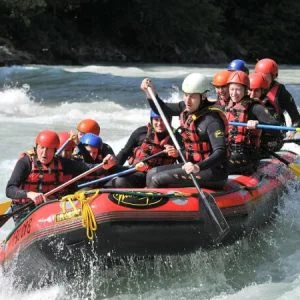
<point x="219" y="227"/>
<point x="4" y="218"/>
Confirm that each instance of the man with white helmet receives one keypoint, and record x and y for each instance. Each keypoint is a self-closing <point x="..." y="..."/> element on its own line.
<point x="203" y="131"/>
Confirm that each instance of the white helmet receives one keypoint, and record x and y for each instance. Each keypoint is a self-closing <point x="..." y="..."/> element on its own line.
<point x="196" y="83"/>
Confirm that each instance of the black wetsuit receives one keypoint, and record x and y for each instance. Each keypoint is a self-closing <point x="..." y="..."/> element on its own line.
<point x="213" y="170"/>
<point x="287" y="103"/>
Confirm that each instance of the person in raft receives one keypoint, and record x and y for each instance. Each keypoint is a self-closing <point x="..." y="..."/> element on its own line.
<point x="203" y="131"/>
<point x="94" y="151"/>
<point x="277" y="93"/>
<point x="38" y="171"/>
<point x="245" y="142"/>
<point x="145" y="141"/>
<point x="69" y="147"/>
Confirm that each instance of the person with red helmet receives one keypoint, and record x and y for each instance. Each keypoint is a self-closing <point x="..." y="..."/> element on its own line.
<point x="244" y="142"/>
<point x="277" y="92"/>
<point x="83" y="127"/>
<point x="38" y="171"/>
<point x="220" y="83"/>
<point x="259" y="85"/>
<point x="65" y="136"/>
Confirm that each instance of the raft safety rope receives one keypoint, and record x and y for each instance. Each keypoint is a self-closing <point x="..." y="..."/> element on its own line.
<point x="88" y="217"/>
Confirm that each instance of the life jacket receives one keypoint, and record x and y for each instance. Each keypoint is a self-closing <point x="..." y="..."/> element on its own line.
<point x="196" y="149"/>
<point x="238" y="135"/>
<point x="152" y="145"/>
<point x="42" y="178"/>
<point x="272" y="99"/>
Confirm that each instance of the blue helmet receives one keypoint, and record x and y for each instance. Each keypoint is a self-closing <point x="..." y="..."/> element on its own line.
<point x="91" y="140"/>
<point x="238" y="65"/>
<point x="154" y="115"/>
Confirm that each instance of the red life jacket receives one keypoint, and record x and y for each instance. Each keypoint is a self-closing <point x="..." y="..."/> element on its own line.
<point x="152" y="145"/>
<point x="42" y="178"/>
<point x="272" y="99"/>
<point x="196" y="149"/>
<point x="238" y="112"/>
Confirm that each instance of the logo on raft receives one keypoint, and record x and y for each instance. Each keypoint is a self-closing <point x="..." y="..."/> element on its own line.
<point x="68" y="215"/>
<point x="138" y="200"/>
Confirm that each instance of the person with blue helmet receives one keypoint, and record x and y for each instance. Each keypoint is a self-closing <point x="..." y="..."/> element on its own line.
<point x="142" y="143"/>
<point x="238" y="65"/>
<point x="93" y="150"/>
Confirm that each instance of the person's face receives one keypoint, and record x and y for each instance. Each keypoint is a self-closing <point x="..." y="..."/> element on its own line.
<point x="93" y="151"/>
<point x="80" y="135"/>
<point x="236" y="92"/>
<point x="222" y="92"/>
<point x="255" y="93"/>
<point x="45" y="155"/>
<point x="158" y="125"/>
<point x="192" y="102"/>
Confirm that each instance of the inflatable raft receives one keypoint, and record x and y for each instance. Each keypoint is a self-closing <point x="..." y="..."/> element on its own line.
<point x="142" y="222"/>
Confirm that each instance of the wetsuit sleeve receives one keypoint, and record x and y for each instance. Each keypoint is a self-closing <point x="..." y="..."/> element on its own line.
<point x="287" y="103"/>
<point x="134" y="141"/>
<point x="215" y="129"/>
<point x="106" y="149"/>
<point x="20" y="173"/>
<point x="261" y="113"/>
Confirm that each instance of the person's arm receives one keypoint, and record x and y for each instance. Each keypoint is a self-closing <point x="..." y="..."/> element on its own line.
<point x="134" y="141"/>
<point x="215" y="129"/>
<point x="20" y="173"/>
<point x="261" y="114"/>
<point x="106" y="149"/>
<point x="287" y="103"/>
<point x="169" y="109"/>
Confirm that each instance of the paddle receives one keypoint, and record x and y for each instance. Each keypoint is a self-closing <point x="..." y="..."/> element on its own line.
<point x="63" y="146"/>
<point x="296" y="141"/>
<point x="295" y="168"/>
<point x="5" y="217"/>
<point x="126" y="172"/>
<point x="265" y="126"/>
<point x="210" y="205"/>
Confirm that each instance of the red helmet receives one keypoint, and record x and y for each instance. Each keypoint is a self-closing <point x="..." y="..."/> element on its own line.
<point x="88" y="126"/>
<point x="267" y="65"/>
<point x="221" y="77"/>
<point x="48" y="139"/>
<point x="259" y="81"/>
<point x="239" y="77"/>
<point x="63" y="137"/>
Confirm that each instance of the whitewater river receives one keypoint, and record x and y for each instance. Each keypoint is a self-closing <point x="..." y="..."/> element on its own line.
<point x="262" y="266"/>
